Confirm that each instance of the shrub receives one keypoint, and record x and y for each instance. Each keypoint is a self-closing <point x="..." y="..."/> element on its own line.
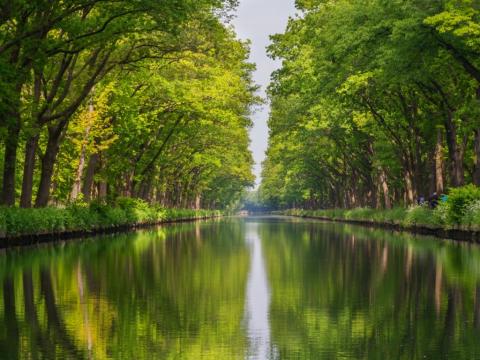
<point x="114" y="217"/>
<point x="417" y="215"/>
<point x="29" y="221"/>
<point x="459" y="201"/>
<point x="80" y="216"/>
<point x="441" y="213"/>
<point x="133" y="208"/>
<point x="420" y="215"/>
<point x="472" y="214"/>
<point x="395" y="215"/>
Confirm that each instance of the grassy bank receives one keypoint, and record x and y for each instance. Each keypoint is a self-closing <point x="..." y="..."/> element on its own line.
<point x="15" y="222"/>
<point x="460" y="211"/>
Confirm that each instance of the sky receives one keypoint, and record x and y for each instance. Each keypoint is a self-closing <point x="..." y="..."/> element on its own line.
<point x="257" y="20"/>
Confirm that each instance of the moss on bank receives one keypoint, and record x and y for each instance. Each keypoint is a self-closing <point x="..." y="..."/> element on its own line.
<point x="15" y="222"/>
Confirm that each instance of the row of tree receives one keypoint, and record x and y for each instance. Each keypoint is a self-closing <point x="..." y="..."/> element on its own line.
<point x="377" y="103"/>
<point x="108" y="98"/>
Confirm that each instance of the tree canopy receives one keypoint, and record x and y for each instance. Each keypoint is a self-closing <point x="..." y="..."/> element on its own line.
<point x="376" y="103"/>
<point x="142" y="99"/>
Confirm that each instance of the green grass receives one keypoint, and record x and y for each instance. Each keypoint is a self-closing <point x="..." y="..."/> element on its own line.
<point x="78" y="217"/>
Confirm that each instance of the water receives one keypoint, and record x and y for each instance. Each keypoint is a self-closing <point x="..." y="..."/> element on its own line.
<point x="255" y="288"/>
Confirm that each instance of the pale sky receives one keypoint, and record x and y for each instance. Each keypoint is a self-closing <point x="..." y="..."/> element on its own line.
<point x="257" y="20"/>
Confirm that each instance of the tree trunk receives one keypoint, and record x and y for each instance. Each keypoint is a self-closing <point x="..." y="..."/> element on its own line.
<point x="439" y="163"/>
<point x="409" y="195"/>
<point x="102" y="190"/>
<point x="420" y="185"/>
<point x="28" y="171"/>
<point x="476" y="173"/>
<point x="386" y="192"/>
<point x="31" y="148"/>
<point x="48" y="163"/>
<point x="371" y="197"/>
<point x="89" y="175"/>
<point x="11" y="119"/>
<point x="81" y="163"/>
<point x="455" y="152"/>
<point x="198" y="201"/>
<point x="128" y="184"/>
<point x="10" y="162"/>
<point x="77" y="184"/>
<point x="145" y="189"/>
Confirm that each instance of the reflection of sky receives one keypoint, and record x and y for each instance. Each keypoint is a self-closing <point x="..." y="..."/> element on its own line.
<point x="256" y="20"/>
<point x="258" y="299"/>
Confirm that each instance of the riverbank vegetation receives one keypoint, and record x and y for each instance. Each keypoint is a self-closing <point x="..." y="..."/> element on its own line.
<point x="105" y="99"/>
<point x="125" y="212"/>
<point x="377" y="104"/>
<point x="460" y="210"/>
<point x="405" y="217"/>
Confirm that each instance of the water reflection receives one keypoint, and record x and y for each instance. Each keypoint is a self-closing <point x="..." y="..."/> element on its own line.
<point x="352" y="293"/>
<point x="259" y="288"/>
<point x="172" y="293"/>
<point x="258" y="299"/>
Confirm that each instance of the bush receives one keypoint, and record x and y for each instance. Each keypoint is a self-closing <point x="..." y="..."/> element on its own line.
<point x="441" y="213"/>
<point x="472" y="215"/>
<point x="417" y="215"/>
<point x="29" y="221"/>
<point x="462" y="207"/>
<point x="420" y="215"/>
<point x="114" y="217"/>
<point x="80" y="216"/>
<point x="459" y="201"/>
<point x="396" y="215"/>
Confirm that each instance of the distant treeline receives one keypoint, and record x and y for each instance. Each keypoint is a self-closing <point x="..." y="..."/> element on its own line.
<point x="377" y="103"/>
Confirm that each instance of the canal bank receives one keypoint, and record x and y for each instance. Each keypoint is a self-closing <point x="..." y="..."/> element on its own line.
<point x="24" y="227"/>
<point x="458" y="233"/>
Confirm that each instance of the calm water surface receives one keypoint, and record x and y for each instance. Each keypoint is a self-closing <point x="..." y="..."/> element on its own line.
<point x="252" y="288"/>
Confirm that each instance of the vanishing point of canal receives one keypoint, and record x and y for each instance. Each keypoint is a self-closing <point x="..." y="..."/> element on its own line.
<point x="243" y="288"/>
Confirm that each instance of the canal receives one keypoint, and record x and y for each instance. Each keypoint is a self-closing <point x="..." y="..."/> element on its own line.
<point x="243" y="288"/>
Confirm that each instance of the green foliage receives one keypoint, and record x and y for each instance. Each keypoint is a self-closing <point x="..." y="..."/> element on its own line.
<point x="152" y="98"/>
<point x="421" y="215"/>
<point x="462" y="208"/>
<point x="82" y="217"/>
<point x="371" y="97"/>
<point x="460" y="201"/>
<point x="78" y="217"/>
<point x="46" y="220"/>
<point x="138" y="211"/>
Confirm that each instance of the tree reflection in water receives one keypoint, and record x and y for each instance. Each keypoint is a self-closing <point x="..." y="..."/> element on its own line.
<point x="163" y="293"/>
<point x="328" y="291"/>
<point x="340" y="291"/>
